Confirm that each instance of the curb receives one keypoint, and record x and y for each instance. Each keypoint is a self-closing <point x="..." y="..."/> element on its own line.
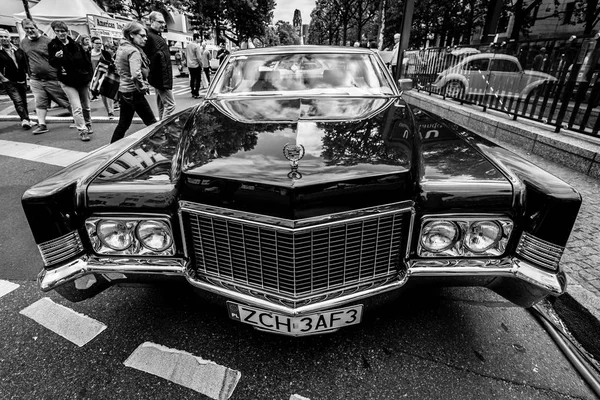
<point x="136" y="120"/>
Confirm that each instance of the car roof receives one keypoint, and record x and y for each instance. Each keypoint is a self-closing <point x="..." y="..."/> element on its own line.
<point x="304" y="49"/>
<point x="489" y="55"/>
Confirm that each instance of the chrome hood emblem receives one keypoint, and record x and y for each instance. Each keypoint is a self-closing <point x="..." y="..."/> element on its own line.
<point x="294" y="153"/>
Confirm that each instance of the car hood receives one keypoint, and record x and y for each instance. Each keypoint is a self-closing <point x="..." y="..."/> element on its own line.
<point x="301" y="158"/>
<point x="295" y="143"/>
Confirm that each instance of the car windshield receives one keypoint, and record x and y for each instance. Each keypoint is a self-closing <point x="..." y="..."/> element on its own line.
<point x="314" y="74"/>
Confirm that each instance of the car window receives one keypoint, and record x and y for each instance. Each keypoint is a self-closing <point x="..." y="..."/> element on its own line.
<point x="480" y="64"/>
<point x="504" y="66"/>
<point x="317" y="73"/>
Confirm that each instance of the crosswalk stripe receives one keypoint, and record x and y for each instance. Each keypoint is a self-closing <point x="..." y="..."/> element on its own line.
<point x="73" y="326"/>
<point x="6" y="287"/>
<point x="39" y="153"/>
<point x="185" y="369"/>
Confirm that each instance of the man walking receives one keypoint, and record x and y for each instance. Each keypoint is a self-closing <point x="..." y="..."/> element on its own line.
<point x="43" y="78"/>
<point x="206" y="62"/>
<point x="161" y="72"/>
<point x="74" y="67"/>
<point x="194" y="63"/>
<point x="13" y="75"/>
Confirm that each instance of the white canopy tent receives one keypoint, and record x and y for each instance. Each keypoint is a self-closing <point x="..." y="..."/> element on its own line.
<point x="72" y="13"/>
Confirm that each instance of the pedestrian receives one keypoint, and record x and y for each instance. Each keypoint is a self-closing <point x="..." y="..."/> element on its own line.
<point x="102" y="58"/>
<point x="13" y="75"/>
<point x="193" y="55"/>
<point x="206" y="62"/>
<point x="74" y="67"/>
<point x="394" y="59"/>
<point x="43" y="78"/>
<point x="161" y="71"/>
<point x="85" y="42"/>
<point x="539" y="60"/>
<point x="133" y="66"/>
<point x="222" y="53"/>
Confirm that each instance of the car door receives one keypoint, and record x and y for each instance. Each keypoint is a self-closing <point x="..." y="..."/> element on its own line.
<point x="476" y="72"/>
<point x="505" y="77"/>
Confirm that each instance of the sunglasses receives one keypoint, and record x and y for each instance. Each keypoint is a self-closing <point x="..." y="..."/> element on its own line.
<point x="141" y="34"/>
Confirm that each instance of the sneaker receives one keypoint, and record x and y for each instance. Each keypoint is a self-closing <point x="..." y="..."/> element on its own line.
<point x="83" y="135"/>
<point x="40" y="129"/>
<point x="26" y="124"/>
<point x="111" y="116"/>
<point x="89" y="129"/>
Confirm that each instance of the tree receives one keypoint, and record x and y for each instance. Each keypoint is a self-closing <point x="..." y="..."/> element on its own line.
<point x="588" y="12"/>
<point x="138" y="9"/>
<point x="237" y="20"/>
<point x="286" y="33"/>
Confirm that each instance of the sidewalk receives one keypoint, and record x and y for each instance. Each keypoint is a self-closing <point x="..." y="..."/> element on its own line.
<point x="581" y="259"/>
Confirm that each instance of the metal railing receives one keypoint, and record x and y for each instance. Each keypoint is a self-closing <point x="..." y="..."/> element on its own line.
<point x="555" y="82"/>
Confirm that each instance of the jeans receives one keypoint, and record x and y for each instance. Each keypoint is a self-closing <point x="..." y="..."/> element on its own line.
<point x="131" y="103"/>
<point x="18" y="94"/>
<point x="109" y="104"/>
<point x="44" y="91"/>
<point x="79" y="97"/>
<point x="195" y="80"/>
<point x="165" y="102"/>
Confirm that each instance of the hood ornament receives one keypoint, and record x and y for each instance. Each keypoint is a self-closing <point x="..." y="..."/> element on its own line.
<point x="294" y="153"/>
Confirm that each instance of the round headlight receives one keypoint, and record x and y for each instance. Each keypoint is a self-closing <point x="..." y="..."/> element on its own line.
<point x="439" y="235"/>
<point x="482" y="235"/>
<point x="154" y="235"/>
<point x="115" y="234"/>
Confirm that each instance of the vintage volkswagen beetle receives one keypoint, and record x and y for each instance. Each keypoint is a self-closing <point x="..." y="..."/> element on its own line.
<point x="297" y="198"/>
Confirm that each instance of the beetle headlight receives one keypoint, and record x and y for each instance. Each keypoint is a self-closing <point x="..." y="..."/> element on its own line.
<point x="131" y="236"/>
<point x="115" y="234"/>
<point x="468" y="236"/>
<point x="154" y="235"/>
<point x="439" y="235"/>
<point x="482" y="235"/>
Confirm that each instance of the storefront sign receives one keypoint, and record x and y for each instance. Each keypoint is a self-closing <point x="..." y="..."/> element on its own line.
<point x="104" y="26"/>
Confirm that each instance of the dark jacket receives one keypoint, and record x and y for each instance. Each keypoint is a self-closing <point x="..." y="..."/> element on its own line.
<point x="10" y="70"/>
<point x="74" y="68"/>
<point x="157" y="50"/>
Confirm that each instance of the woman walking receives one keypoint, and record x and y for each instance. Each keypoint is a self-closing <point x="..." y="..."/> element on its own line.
<point x="133" y="67"/>
<point x="74" y="68"/>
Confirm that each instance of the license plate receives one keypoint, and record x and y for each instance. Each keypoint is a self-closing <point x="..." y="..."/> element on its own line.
<point x="301" y="325"/>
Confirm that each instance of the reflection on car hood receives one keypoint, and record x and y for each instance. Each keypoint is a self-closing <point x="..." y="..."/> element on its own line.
<point x="332" y="140"/>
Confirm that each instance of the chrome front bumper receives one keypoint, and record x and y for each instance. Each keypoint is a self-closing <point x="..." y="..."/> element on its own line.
<point x="541" y="281"/>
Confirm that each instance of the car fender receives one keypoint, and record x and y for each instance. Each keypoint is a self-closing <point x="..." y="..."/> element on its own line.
<point x="454" y="76"/>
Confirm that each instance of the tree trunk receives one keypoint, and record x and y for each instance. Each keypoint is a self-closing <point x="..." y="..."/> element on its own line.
<point x="590" y="16"/>
<point x="381" y="26"/>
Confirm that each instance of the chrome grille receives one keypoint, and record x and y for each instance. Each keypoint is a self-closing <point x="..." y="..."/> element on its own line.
<point x="60" y="249"/>
<point x="539" y="251"/>
<point x="296" y="261"/>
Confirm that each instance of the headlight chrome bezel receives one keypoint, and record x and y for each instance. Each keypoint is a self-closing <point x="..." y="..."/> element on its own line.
<point x="137" y="247"/>
<point x="464" y="224"/>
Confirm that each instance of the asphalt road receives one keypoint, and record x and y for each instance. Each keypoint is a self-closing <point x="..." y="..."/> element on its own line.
<point x="427" y="344"/>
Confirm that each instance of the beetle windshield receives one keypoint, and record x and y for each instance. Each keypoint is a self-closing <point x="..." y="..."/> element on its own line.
<point x="303" y="73"/>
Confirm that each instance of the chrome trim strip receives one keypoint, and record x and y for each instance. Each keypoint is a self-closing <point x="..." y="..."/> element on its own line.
<point x="290" y="311"/>
<point x="539" y="251"/>
<point x="57" y="250"/>
<point x="51" y="279"/>
<point x="296" y="225"/>
<point x="508" y="267"/>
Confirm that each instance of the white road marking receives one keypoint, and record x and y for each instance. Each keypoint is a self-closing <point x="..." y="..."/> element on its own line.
<point x="39" y="153"/>
<point x="185" y="369"/>
<point x="6" y="287"/>
<point x="71" y="325"/>
<point x="298" y="397"/>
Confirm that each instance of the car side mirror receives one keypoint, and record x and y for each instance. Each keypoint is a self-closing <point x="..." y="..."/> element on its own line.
<point x="405" y="84"/>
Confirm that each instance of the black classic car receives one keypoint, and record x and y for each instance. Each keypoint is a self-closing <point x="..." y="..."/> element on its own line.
<point x="299" y="196"/>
